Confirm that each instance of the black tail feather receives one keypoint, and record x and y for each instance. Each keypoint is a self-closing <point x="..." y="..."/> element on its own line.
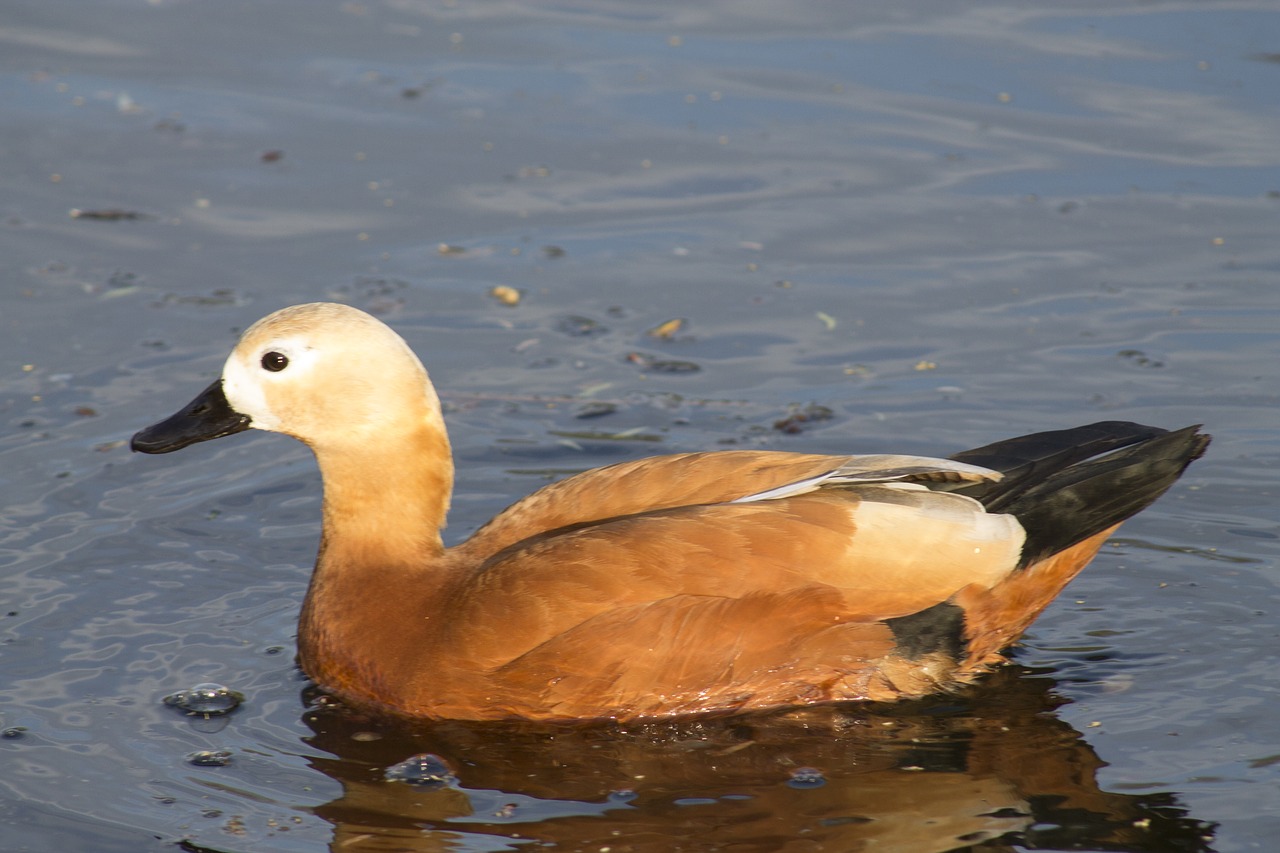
<point x="1026" y="461"/>
<point x="1062" y="494"/>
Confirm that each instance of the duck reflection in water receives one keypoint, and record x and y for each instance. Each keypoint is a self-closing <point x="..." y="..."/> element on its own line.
<point x="993" y="768"/>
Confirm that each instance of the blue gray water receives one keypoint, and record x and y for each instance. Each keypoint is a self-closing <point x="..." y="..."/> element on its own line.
<point x="926" y="226"/>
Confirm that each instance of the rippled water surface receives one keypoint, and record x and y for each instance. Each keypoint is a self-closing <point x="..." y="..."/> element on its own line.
<point x="914" y="227"/>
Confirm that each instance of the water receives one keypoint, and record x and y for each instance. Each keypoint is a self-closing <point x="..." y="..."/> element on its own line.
<point x="930" y="226"/>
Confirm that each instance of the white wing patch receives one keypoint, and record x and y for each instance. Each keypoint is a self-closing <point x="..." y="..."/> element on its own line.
<point x="908" y="472"/>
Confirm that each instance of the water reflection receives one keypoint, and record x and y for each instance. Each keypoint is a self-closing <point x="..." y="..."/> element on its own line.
<point x="993" y="768"/>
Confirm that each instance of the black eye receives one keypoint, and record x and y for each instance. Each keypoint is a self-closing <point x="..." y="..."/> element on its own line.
<point x="275" y="361"/>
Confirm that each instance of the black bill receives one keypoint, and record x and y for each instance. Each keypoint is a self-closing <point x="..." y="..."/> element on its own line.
<point x="208" y="416"/>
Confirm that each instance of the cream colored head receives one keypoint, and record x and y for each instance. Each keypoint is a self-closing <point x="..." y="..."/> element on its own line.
<point x="329" y="375"/>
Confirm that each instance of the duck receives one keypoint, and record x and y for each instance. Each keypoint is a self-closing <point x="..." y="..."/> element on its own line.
<point x="696" y="583"/>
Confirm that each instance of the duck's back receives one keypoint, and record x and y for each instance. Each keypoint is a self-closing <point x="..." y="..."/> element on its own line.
<point x="644" y="485"/>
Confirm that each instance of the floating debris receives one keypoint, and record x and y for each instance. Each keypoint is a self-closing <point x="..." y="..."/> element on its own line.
<point x="827" y="320"/>
<point x="506" y="295"/>
<point x="423" y="771"/>
<point x="273" y="156"/>
<point x="206" y="700"/>
<point x="127" y="105"/>
<point x="926" y="365"/>
<point x="221" y="296"/>
<point x="596" y="409"/>
<point x="633" y="434"/>
<point x="666" y="331"/>
<point x="795" y="422"/>
<point x="1140" y="358"/>
<point x="576" y="326"/>
<point x="122" y="280"/>
<point x="553" y="251"/>
<point x="659" y="365"/>
<point x="446" y="249"/>
<point x="109" y="214"/>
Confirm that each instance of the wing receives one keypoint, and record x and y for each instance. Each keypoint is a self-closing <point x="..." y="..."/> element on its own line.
<point x="690" y="479"/>
<point x="870" y="553"/>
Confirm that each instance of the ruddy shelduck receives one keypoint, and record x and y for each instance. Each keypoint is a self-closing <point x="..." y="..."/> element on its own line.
<point x="694" y="583"/>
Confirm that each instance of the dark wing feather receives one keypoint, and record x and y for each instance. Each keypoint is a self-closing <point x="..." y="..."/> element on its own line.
<point x="1068" y="485"/>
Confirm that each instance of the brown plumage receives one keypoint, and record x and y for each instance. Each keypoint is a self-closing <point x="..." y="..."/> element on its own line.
<point x="692" y="583"/>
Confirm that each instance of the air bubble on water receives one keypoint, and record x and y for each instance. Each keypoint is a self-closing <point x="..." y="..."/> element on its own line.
<point x="424" y="771"/>
<point x="210" y="758"/>
<point x="807" y="777"/>
<point x="207" y="700"/>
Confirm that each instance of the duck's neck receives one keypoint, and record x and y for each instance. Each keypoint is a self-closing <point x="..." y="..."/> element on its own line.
<point x="388" y="501"/>
<point x="381" y="561"/>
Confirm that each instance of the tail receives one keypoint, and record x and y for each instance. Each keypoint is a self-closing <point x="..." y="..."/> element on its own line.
<point x="1067" y="486"/>
<point x="1069" y="489"/>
